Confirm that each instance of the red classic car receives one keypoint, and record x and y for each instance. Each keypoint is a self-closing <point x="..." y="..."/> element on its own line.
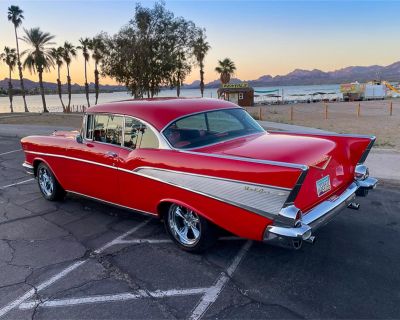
<point x="201" y="165"/>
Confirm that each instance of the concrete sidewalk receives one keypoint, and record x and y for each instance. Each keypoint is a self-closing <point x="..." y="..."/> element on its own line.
<point x="20" y="131"/>
<point x="383" y="163"/>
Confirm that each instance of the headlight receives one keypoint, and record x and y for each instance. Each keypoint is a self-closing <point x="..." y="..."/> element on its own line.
<point x="361" y="172"/>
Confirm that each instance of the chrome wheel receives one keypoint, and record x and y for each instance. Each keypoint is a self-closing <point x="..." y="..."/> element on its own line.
<point x="46" y="181"/>
<point x="184" y="225"/>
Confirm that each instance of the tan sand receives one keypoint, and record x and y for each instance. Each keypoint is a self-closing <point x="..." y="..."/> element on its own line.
<point x="342" y="117"/>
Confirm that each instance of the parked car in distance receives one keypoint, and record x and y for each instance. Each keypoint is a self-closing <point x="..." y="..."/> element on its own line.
<point x="201" y="165"/>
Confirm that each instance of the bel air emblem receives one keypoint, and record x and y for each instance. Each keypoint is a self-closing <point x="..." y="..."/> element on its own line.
<point x="262" y="190"/>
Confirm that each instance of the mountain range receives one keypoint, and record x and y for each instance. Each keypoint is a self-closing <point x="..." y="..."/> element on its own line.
<point x="310" y="77"/>
<point x="296" y="77"/>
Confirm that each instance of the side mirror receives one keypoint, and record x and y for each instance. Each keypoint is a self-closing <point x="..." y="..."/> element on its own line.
<point x="79" y="138"/>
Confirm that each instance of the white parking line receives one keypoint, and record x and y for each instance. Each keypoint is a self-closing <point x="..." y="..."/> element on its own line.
<point x="213" y="292"/>
<point x="112" y="298"/>
<point x="8" y="152"/>
<point x="17" y="183"/>
<point x="118" y="239"/>
<point x="156" y="241"/>
<point x="30" y="293"/>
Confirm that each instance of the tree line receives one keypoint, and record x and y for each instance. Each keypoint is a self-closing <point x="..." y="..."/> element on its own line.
<point x="155" y="49"/>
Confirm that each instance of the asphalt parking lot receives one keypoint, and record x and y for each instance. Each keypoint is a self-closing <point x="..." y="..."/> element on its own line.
<point x="79" y="259"/>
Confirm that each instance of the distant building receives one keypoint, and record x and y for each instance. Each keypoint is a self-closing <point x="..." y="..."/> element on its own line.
<point x="240" y="94"/>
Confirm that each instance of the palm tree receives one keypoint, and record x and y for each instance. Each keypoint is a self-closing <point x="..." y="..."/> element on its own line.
<point x="85" y="44"/>
<point x="226" y="69"/>
<point x="68" y="52"/>
<point x="57" y="55"/>
<point x="97" y="47"/>
<point x="10" y="59"/>
<point x="200" y="49"/>
<point x="38" y="58"/>
<point x="16" y="17"/>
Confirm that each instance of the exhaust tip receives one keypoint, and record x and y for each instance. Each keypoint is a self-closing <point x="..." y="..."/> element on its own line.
<point x="354" y="205"/>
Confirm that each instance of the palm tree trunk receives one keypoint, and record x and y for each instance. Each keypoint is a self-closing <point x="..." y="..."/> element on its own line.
<point x="59" y="90"/>
<point x="201" y="79"/>
<point x="69" y="89"/>
<point x="21" y="77"/>
<point x="10" y="92"/>
<point x="40" y="72"/>
<point x="86" y="87"/>
<point x="96" y="82"/>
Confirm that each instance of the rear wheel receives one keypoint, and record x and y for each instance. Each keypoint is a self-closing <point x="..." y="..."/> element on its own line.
<point x="190" y="231"/>
<point x="48" y="184"/>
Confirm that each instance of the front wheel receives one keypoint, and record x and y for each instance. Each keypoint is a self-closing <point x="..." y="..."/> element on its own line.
<point x="190" y="231"/>
<point x="48" y="184"/>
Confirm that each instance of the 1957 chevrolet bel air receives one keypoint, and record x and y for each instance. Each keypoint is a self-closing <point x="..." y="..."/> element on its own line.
<point x="204" y="164"/>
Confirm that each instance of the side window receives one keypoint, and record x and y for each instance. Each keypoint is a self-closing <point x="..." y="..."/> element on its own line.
<point x="138" y="135"/>
<point x="89" y="127"/>
<point x="108" y="129"/>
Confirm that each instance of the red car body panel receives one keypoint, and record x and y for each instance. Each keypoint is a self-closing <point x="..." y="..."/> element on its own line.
<point x="87" y="169"/>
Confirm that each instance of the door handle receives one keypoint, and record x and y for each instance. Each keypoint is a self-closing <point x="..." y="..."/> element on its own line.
<point x="111" y="154"/>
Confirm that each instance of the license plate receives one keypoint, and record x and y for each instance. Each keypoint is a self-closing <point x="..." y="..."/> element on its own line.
<point x="323" y="185"/>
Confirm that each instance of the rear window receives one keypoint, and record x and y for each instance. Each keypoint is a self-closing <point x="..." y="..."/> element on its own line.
<point x="206" y="128"/>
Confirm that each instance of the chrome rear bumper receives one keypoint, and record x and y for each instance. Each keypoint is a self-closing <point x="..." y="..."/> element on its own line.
<point x="292" y="236"/>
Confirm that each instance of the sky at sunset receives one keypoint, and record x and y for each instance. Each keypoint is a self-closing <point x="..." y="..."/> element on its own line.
<point x="261" y="37"/>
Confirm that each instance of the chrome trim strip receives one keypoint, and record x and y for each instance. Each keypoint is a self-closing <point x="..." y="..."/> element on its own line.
<point x="296" y="189"/>
<point x="331" y="134"/>
<point x="72" y="158"/>
<point x="270" y="162"/>
<point x="211" y="177"/>
<point x="366" y="152"/>
<point x="112" y="203"/>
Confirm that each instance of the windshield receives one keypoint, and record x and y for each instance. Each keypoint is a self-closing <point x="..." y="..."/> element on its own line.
<point x="206" y="128"/>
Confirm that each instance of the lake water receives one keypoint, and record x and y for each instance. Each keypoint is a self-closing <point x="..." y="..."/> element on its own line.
<point x="53" y="103"/>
